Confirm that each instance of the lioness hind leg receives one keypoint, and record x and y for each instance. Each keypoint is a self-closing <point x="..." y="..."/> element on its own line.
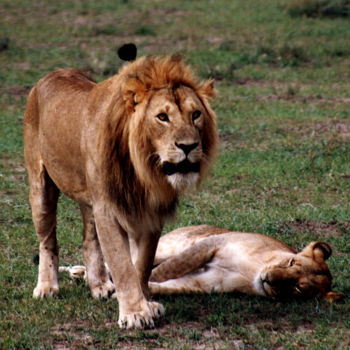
<point x="185" y="262"/>
<point x="43" y="199"/>
<point x="191" y="283"/>
<point x="97" y="277"/>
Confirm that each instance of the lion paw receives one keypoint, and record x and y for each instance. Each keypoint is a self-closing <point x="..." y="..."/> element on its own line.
<point x="103" y="291"/>
<point x="157" y="309"/>
<point x="136" y="320"/>
<point x="142" y="319"/>
<point x="43" y="290"/>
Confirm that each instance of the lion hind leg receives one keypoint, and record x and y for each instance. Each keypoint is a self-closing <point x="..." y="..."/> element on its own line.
<point x="43" y="199"/>
<point x="188" y="261"/>
<point x="96" y="273"/>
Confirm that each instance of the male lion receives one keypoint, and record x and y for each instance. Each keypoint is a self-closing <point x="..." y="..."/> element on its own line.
<point x="206" y="258"/>
<point x="124" y="149"/>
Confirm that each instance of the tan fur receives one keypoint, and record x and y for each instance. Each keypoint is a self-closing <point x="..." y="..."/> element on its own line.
<point x="206" y="258"/>
<point x="105" y="146"/>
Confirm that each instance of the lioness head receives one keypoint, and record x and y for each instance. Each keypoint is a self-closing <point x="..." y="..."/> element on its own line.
<point x="304" y="275"/>
<point x="172" y="128"/>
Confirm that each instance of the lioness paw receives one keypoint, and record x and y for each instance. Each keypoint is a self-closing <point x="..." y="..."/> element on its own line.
<point x="103" y="291"/>
<point x="43" y="290"/>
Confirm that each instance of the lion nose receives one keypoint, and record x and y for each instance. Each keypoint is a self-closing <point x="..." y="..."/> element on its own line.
<point x="187" y="148"/>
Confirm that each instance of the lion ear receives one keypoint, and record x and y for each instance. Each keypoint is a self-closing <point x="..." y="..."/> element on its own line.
<point x="133" y="93"/>
<point x="207" y="89"/>
<point x="319" y="251"/>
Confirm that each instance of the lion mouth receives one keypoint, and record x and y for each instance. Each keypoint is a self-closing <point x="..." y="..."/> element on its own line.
<point x="183" y="167"/>
<point x="266" y="285"/>
<point x="264" y="288"/>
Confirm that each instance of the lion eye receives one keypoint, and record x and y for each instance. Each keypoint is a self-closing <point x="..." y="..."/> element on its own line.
<point x="163" y="117"/>
<point x="196" y="115"/>
<point x="291" y="262"/>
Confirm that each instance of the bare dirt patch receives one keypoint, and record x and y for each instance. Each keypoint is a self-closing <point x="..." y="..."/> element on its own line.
<point x="171" y="11"/>
<point x="339" y="127"/>
<point x="335" y="128"/>
<point x="282" y="91"/>
<point x="78" y="335"/>
<point x="321" y="229"/>
<point x="253" y="82"/>
<point x="287" y="96"/>
<point x="68" y="330"/>
<point x="20" y="91"/>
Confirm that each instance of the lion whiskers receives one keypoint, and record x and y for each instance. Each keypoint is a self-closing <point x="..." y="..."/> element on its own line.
<point x="172" y="155"/>
<point x="195" y="155"/>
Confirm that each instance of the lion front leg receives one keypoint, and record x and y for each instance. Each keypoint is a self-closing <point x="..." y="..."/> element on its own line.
<point x="143" y="252"/>
<point x="134" y="309"/>
<point x="96" y="274"/>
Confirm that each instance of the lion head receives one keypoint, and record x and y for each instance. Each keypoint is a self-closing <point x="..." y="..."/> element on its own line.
<point x="161" y="128"/>
<point x="304" y="275"/>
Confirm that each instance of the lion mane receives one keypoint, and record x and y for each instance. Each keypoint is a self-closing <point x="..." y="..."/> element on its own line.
<point x="143" y="184"/>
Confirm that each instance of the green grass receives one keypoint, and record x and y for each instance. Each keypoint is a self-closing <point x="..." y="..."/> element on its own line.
<point x="283" y="170"/>
<point x="319" y="8"/>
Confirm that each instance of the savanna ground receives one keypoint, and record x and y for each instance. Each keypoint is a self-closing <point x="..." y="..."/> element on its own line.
<point x="284" y="167"/>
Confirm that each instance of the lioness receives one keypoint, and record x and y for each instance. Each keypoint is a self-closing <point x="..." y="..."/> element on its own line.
<point x="124" y="149"/>
<point x="206" y="258"/>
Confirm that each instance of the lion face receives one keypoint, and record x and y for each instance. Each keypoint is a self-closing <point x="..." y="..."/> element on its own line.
<point x="176" y="123"/>
<point x="304" y="275"/>
<point x="178" y="119"/>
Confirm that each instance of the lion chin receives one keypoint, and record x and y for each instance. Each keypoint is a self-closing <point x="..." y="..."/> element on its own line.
<point x="181" y="175"/>
<point x="182" y="181"/>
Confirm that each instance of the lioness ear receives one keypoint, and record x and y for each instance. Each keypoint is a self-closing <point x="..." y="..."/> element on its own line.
<point x="319" y="251"/>
<point x="207" y="89"/>
<point x="322" y="250"/>
<point x="334" y="296"/>
<point x="133" y="93"/>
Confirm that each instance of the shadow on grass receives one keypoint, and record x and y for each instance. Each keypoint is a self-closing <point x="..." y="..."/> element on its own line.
<point x="215" y="310"/>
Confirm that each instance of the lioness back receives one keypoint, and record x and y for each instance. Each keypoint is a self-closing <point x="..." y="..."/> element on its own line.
<point x="182" y="238"/>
